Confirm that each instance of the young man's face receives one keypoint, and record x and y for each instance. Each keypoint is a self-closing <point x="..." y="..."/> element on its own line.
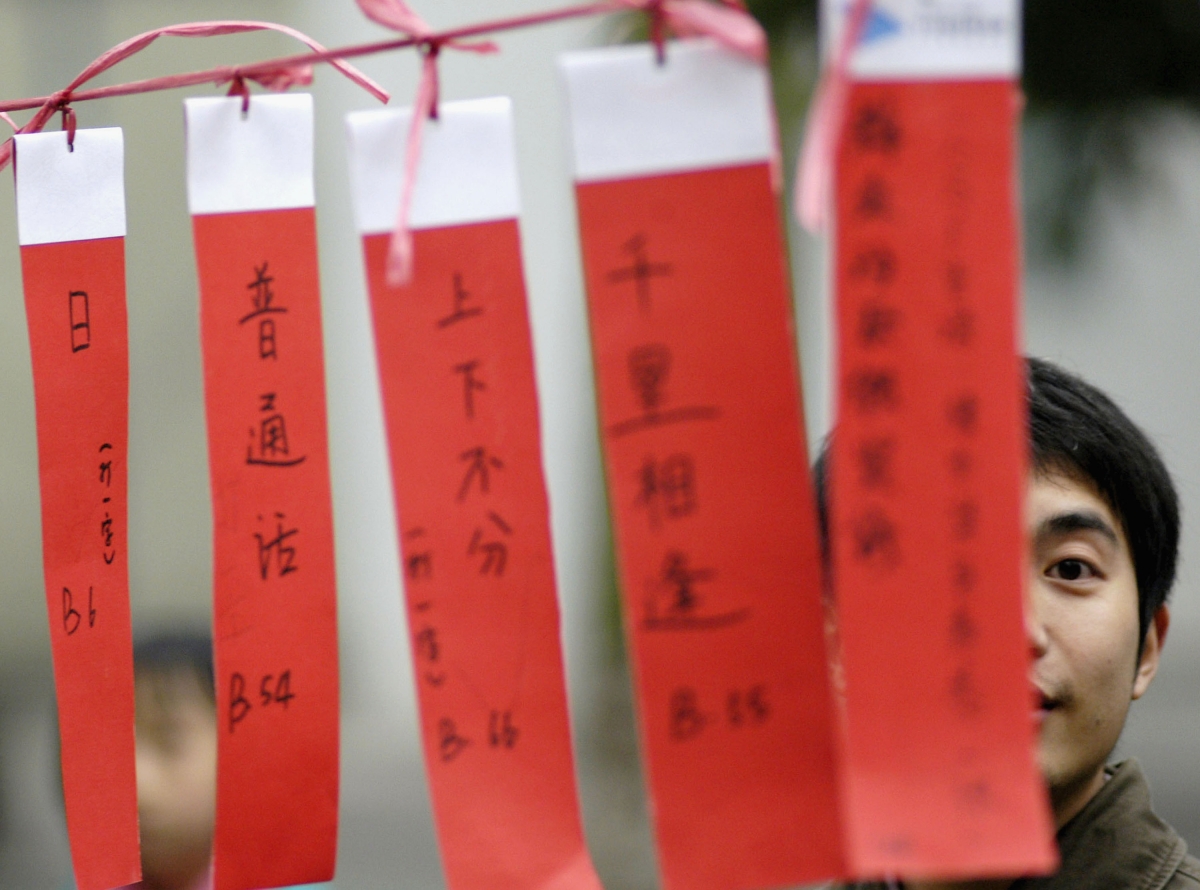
<point x="1082" y="619"/>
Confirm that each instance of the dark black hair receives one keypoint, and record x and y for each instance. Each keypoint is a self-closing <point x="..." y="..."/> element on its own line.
<point x="176" y="650"/>
<point x="1077" y="430"/>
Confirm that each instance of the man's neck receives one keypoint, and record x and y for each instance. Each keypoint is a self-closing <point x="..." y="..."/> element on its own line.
<point x="1071" y="799"/>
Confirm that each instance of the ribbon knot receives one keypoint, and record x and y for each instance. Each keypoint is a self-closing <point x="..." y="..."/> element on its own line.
<point x="276" y="79"/>
<point x="399" y="16"/>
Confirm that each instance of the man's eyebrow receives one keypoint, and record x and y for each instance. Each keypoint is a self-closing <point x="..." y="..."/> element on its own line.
<point x="1062" y="524"/>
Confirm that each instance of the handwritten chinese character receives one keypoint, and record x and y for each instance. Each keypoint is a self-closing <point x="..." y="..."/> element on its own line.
<point x="450" y="743"/>
<point x="873" y="127"/>
<point x="875" y="539"/>
<point x="480" y="465"/>
<point x="667" y="486"/>
<point x="262" y="298"/>
<point x="461" y="310"/>
<point x="687" y="720"/>
<point x="642" y="271"/>
<point x="495" y="552"/>
<point x="80" y="320"/>
<point x="471" y="385"/>
<point x="269" y="443"/>
<point x="276" y="549"/>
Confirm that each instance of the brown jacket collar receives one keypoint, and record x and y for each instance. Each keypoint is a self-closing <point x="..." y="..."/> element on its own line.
<point x="1116" y="841"/>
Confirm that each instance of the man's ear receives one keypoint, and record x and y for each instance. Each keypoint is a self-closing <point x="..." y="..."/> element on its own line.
<point x="1152" y="646"/>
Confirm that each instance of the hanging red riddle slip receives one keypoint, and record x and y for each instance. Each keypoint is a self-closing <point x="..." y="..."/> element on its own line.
<point x="457" y="376"/>
<point x="71" y="225"/>
<point x="929" y="453"/>
<point x="708" y="479"/>
<point x="250" y="192"/>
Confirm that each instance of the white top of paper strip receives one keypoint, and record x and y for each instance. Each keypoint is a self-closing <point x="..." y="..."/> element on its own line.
<point x="65" y="195"/>
<point x="931" y="39"/>
<point x="263" y="161"/>
<point x="467" y="172"/>
<point x="705" y="108"/>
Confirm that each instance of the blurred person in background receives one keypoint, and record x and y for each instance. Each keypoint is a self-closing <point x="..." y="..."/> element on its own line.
<point x="176" y="737"/>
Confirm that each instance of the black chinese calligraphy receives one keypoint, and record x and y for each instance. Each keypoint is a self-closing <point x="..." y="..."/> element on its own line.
<point x="502" y="732"/>
<point x="72" y="618"/>
<point x="875" y="539"/>
<point x="877" y="324"/>
<point x="874" y="199"/>
<point x="667" y="487"/>
<point x="262" y="298"/>
<point x="273" y="689"/>
<point x="106" y="524"/>
<point x="642" y="271"/>
<point x="963" y="413"/>
<point x="480" y="462"/>
<point x="275" y="550"/>
<point x="471" y="385"/>
<point x="269" y="440"/>
<point x="461" y="311"/>
<point x="450" y="743"/>
<point x="687" y="720"/>
<point x="676" y="604"/>
<point x="875" y="265"/>
<point x="79" y="317"/>
<point x="649" y="367"/>
<point x="492" y="550"/>
<point x="418" y="564"/>
<point x="428" y="648"/>
<point x="872" y="391"/>
<point x="876" y="457"/>
<point x="746" y="707"/>
<point x="874" y="128"/>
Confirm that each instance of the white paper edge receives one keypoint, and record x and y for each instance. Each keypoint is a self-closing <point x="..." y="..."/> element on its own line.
<point x="65" y="195"/>
<point x="263" y="161"/>
<point x="467" y="171"/>
<point x="922" y="49"/>
<point x="705" y="108"/>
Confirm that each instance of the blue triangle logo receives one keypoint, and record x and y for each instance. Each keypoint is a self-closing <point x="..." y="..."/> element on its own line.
<point x="880" y="25"/>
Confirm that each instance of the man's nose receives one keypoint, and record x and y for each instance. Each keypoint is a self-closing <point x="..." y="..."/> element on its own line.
<point x="1035" y="625"/>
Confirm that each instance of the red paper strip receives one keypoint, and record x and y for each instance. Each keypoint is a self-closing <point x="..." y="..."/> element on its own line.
<point x="275" y="610"/>
<point x="928" y="470"/>
<point x="711" y="497"/>
<point x="456" y="367"/>
<point x="75" y="306"/>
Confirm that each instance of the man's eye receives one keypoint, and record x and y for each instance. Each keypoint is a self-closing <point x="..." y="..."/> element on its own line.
<point x="1071" y="570"/>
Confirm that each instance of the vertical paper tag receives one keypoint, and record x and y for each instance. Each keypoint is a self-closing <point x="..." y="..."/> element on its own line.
<point x="928" y="467"/>
<point x="456" y="367"/>
<point x="707" y="474"/>
<point x="71" y="221"/>
<point x="274" y="603"/>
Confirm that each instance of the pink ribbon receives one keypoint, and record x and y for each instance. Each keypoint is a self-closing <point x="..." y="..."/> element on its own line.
<point x="728" y="23"/>
<point x="399" y="16"/>
<point x="275" y="80"/>
<point x="823" y="130"/>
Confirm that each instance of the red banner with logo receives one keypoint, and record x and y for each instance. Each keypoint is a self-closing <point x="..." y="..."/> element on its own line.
<point x="928" y="472"/>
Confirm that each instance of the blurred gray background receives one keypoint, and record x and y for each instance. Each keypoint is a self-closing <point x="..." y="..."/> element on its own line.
<point x="1112" y="290"/>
